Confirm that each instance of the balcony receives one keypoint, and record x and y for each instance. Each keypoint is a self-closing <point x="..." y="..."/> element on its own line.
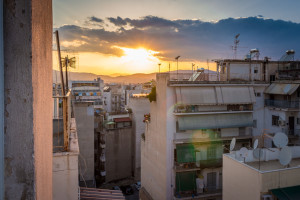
<point x="197" y="165"/>
<point x="197" y="109"/>
<point x="214" y="78"/>
<point x="282" y="104"/>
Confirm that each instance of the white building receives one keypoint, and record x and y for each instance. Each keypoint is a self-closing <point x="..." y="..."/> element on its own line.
<point x="266" y="179"/>
<point x="193" y="120"/>
<point x="140" y="106"/>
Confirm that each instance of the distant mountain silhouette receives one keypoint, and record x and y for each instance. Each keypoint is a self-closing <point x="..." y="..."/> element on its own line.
<point x="82" y="76"/>
<point x="132" y="78"/>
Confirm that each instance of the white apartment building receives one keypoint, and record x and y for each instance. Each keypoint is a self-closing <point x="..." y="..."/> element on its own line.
<point x="195" y="116"/>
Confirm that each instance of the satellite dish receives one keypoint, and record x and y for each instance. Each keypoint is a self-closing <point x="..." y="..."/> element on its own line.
<point x="258" y="153"/>
<point x="232" y="144"/>
<point x="255" y="144"/>
<point x="280" y="140"/>
<point x="244" y="152"/>
<point x="285" y="156"/>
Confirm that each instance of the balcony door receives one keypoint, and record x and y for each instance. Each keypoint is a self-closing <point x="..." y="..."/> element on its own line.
<point x="211" y="181"/>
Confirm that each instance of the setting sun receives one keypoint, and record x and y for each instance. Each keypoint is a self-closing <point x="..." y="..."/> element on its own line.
<point x="139" y="59"/>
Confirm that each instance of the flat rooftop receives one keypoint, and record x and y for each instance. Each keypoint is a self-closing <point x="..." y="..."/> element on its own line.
<point x="273" y="165"/>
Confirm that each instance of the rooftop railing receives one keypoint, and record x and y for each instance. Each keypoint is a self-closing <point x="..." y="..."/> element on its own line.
<point x="214" y="77"/>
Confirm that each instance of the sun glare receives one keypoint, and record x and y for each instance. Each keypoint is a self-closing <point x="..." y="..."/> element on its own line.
<point x="139" y="60"/>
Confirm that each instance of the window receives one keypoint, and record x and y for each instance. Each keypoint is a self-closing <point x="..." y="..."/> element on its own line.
<point x="257" y="94"/>
<point x="298" y="121"/>
<point x="254" y="123"/>
<point x="275" y="120"/>
<point x="211" y="152"/>
<point x="255" y="70"/>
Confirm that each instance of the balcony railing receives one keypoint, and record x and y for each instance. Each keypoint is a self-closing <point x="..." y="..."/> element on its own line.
<point x="62" y="122"/>
<point x="196" y="108"/>
<point x="197" y="165"/>
<point x="213" y="77"/>
<point x="282" y="103"/>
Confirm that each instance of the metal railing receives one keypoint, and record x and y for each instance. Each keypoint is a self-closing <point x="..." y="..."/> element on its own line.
<point x="215" y="77"/>
<point x="197" y="108"/>
<point x="62" y="119"/>
<point x="282" y="103"/>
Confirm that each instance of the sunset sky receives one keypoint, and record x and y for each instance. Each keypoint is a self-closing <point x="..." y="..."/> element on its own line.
<point x="134" y="36"/>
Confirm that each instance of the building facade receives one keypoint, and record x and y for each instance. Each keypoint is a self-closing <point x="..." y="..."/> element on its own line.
<point x="196" y="115"/>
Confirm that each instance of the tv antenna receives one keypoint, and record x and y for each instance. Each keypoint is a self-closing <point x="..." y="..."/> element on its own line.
<point x="232" y="144"/>
<point x="235" y="45"/>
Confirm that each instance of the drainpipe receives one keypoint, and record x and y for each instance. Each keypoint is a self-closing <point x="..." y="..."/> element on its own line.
<point x="1" y="104"/>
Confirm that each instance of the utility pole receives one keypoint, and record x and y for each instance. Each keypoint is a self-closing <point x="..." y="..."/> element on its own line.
<point x="159" y="64"/>
<point x="177" y="65"/>
<point x="60" y="65"/>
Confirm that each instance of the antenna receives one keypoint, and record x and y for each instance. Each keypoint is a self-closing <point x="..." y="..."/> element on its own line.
<point x="159" y="64"/>
<point x="235" y="45"/>
<point x="285" y="156"/>
<point x="255" y="144"/>
<point x="177" y="65"/>
<point x="258" y="153"/>
<point x="280" y="140"/>
<point x="243" y="152"/>
<point x="232" y="144"/>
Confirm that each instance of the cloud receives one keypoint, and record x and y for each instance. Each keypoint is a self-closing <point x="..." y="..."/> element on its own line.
<point x="192" y="39"/>
<point x="94" y="21"/>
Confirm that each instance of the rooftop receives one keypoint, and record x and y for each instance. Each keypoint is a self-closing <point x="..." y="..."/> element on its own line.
<point x="269" y="160"/>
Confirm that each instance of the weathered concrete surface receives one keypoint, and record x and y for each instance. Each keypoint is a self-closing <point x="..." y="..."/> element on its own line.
<point x="28" y="97"/>
<point x="139" y="106"/>
<point x="84" y="115"/>
<point x="65" y="176"/>
<point x="118" y="153"/>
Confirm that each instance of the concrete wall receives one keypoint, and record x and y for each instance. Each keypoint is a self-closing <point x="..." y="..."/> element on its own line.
<point x="65" y="176"/>
<point x="84" y="115"/>
<point x="139" y="106"/>
<point x="240" y="182"/>
<point x="118" y="154"/>
<point x="28" y="99"/>
<point x="154" y="150"/>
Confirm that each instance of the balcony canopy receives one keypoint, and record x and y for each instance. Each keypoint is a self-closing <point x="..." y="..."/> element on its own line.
<point x="282" y="88"/>
<point x="215" y="95"/>
<point x="214" y="121"/>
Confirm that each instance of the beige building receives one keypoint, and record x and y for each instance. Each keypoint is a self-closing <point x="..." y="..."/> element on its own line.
<point x="266" y="179"/>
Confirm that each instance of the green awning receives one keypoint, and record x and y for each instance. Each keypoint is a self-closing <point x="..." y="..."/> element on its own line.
<point x="109" y="123"/>
<point x="214" y="121"/>
<point x="287" y="193"/>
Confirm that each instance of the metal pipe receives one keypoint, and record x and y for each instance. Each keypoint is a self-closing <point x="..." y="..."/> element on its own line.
<point x="1" y="104"/>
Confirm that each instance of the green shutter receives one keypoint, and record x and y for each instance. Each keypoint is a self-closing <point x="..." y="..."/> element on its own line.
<point x="185" y="153"/>
<point x="185" y="181"/>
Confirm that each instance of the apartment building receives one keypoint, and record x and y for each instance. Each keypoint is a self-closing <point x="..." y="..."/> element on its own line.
<point x="267" y="179"/>
<point x="113" y="148"/>
<point x="89" y="91"/>
<point x="196" y="115"/>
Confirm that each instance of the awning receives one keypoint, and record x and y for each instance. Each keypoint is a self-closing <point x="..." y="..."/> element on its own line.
<point x="123" y="119"/>
<point x="215" y="95"/>
<point x="287" y="193"/>
<point x="214" y="121"/>
<point x="282" y="88"/>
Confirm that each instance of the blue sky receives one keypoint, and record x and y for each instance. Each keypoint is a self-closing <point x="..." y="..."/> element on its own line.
<point x="195" y="29"/>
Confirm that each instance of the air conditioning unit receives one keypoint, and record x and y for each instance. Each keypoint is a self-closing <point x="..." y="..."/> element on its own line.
<point x="281" y="122"/>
